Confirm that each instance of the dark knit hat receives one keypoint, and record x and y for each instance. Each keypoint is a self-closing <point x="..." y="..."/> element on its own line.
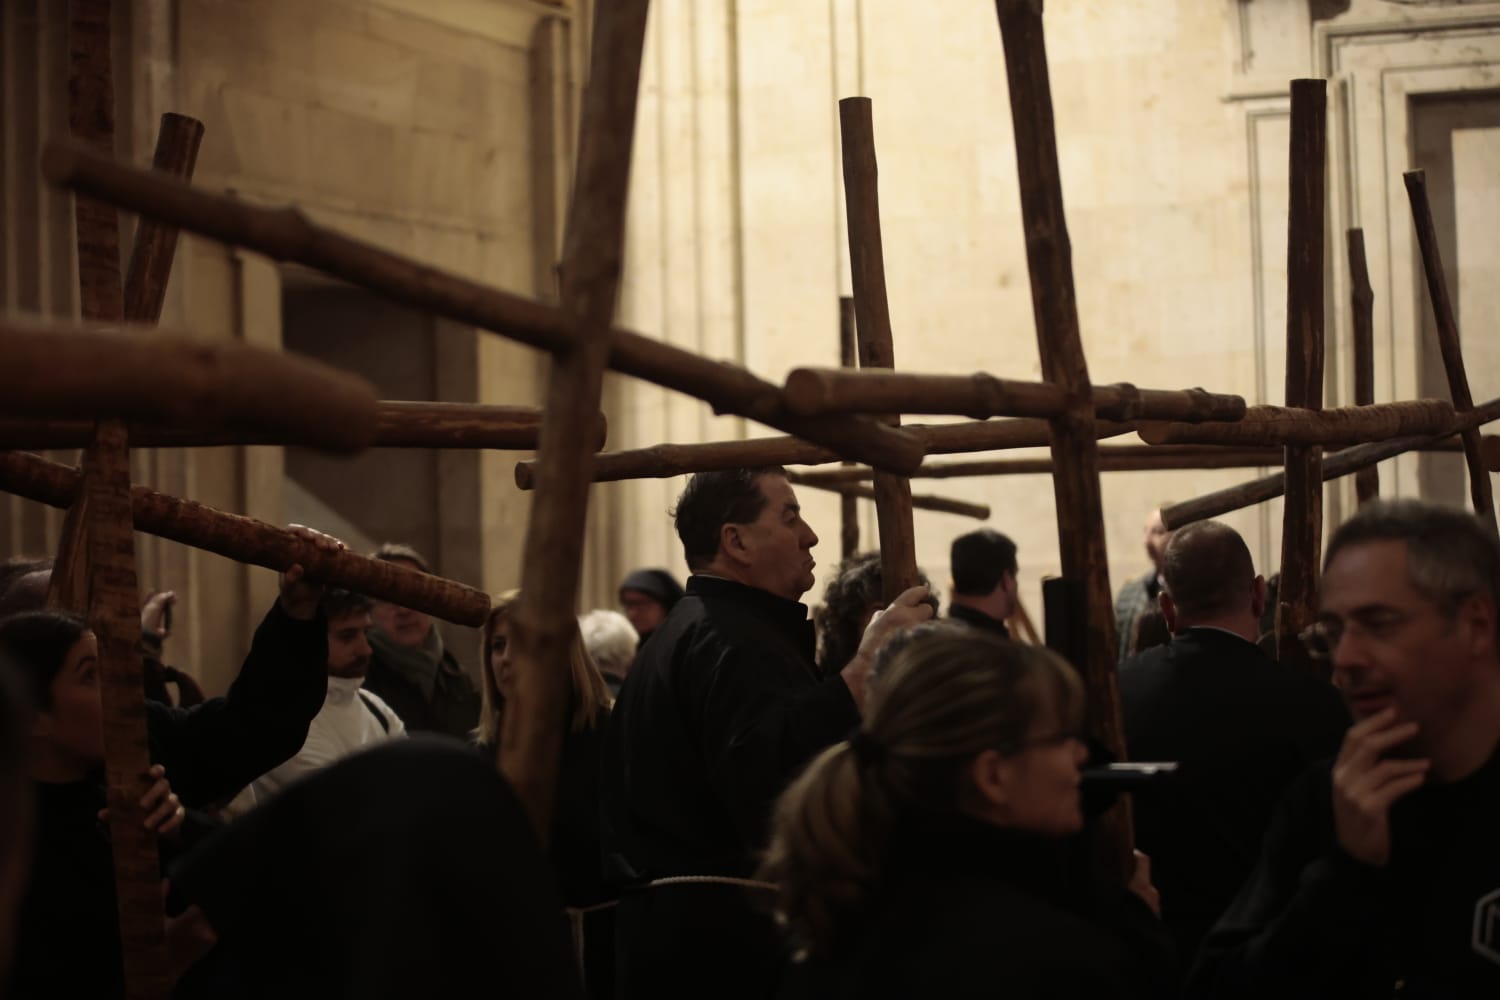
<point x="657" y="583"/>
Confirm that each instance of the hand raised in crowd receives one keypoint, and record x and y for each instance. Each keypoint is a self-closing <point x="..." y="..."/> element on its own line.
<point x="164" y="813"/>
<point x="1366" y="784"/>
<point x="908" y="609"/>
<point x="156" y="614"/>
<point x="299" y="597"/>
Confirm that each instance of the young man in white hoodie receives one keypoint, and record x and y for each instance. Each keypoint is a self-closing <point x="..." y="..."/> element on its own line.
<point x="351" y="718"/>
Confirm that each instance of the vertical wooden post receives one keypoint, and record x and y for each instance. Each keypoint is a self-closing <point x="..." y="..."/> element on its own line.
<point x="544" y="624"/>
<point x="848" y="504"/>
<point x="1480" y="489"/>
<point x="107" y="527"/>
<point x="1302" y="521"/>
<point x="898" y="550"/>
<point x="1075" y="450"/>
<point x="1362" y="311"/>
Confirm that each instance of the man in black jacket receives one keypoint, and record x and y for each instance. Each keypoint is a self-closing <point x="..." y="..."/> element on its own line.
<point x="722" y="708"/>
<point x="983" y="563"/>
<point x="1379" y="875"/>
<point x="1241" y="726"/>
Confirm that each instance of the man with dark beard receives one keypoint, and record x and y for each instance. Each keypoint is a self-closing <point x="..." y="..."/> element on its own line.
<point x="351" y="718"/>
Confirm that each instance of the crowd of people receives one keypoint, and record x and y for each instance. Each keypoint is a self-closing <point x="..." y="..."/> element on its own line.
<point x="877" y="800"/>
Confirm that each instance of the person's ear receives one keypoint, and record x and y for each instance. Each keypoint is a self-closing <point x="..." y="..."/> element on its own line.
<point x="1258" y="597"/>
<point x="1168" y="611"/>
<point x="989" y="773"/>
<point x="1477" y="616"/>
<point x="732" y="542"/>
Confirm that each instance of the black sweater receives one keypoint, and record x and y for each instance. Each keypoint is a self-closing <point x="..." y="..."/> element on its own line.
<point x="1313" y="922"/>
<point x="69" y="936"/>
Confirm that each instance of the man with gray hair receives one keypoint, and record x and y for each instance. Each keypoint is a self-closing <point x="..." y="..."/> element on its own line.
<point x="1241" y="726"/>
<point x="1379" y="874"/>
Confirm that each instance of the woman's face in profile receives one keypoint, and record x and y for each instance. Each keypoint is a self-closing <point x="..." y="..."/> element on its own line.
<point x="499" y="664"/>
<point x="1041" y="781"/>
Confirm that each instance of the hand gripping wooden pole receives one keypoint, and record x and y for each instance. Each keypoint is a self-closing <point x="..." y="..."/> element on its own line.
<point x="286" y="235"/>
<point x="1302" y="513"/>
<point x="1480" y="488"/>
<point x="1362" y="316"/>
<point x="1075" y="452"/>
<point x="898" y="548"/>
<point x="544" y="626"/>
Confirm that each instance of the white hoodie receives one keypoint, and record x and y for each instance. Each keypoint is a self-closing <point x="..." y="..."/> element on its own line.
<point x="346" y="723"/>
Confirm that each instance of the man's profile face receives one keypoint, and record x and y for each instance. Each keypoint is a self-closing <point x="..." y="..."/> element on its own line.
<point x="1157" y="537"/>
<point x="1390" y="645"/>
<point x="405" y="626"/>
<point x="348" y="650"/>
<point x="777" y="546"/>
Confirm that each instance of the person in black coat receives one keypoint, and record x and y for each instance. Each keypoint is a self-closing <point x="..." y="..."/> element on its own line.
<point x="928" y="855"/>
<point x="984" y="567"/>
<point x="1241" y="726"/>
<point x="1379" y="875"/>
<point x="208" y="752"/>
<point x="722" y="707"/>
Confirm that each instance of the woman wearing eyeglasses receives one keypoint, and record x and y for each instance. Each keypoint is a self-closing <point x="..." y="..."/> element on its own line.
<point x="930" y="854"/>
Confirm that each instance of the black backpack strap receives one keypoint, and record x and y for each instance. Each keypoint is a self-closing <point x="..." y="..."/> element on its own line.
<point x="385" y="724"/>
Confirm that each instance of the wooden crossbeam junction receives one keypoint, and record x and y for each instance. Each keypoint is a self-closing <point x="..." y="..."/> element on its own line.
<point x="398" y="424"/>
<point x="822" y="391"/>
<point x="287" y="235"/>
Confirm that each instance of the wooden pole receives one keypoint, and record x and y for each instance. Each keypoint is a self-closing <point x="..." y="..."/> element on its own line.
<point x="898" y="547"/>
<point x="544" y="626"/>
<point x="58" y="370"/>
<point x="150" y="268"/>
<point x="821" y="391"/>
<point x="398" y="424"/>
<point x="286" y="235"/>
<point x="1447" y="329"/>
<point x="1075" y="452"/>
<point x="1340" y="463"/>
<point x="1287" y="425"/>
<point x="102" y="530"/>
<point x="1302" y="520"/>
<point x="1119" y="458"/>
<point x="1362" y="312"/>
<point x="247" y="540"/>
<point x="663" y="461"/>
<point x="848" y="503"/>
<point x="945" y="505"/>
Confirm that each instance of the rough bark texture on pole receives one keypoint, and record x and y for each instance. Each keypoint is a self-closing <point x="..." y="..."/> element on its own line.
<point x="1362" y="315"/>
<point x="663" y="461"/>
<point x="898" y="547"/>
<point x="1080" y="515"/>
<point x="848" y="503"/>
<point x="398" y="424"/>
<point x="58" y="370"/>
<point x="1447" y="330"/>
<point x="1338" y="464"/>
<point x="103" y="529"/>
<point x="1287" y="425"/>
<point x="544" y="625"/>
<point x="945" y="505"/>
<point x="1302" y="513"/>
<point x="286" y="235"/>
<point x="247" y="540"/>
<point x="817" y="391"/>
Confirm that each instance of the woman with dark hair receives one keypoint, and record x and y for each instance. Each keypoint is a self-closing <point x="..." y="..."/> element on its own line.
<point x="574" y="849"/>
<point x="926" y="856"/>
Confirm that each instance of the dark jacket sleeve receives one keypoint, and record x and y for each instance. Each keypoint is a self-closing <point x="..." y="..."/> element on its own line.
<point x="759" y="730"/>
<point x="213" y="750"/>
<point x="1297" y="926"/>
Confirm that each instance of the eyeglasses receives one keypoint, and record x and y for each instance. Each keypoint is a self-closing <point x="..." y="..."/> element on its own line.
<point x="1321" y="639"/>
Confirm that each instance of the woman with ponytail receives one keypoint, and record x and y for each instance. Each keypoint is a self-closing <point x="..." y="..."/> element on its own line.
<point x="928" y="855"/>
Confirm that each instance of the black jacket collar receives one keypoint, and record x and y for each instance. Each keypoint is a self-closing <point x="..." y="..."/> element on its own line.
<point x="789" y="616"/>
<point x="977" y="618"/>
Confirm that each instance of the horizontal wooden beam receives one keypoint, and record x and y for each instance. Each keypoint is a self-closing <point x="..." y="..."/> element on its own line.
<point x="821" y="391"/>
<point x="248" y="540"/>
<point x="663" y="461"/>
<point x="920" y="501"/>
<point x="91" y="371"/>
<point x="285" y="234"/>
<point x="1341" y="463"/>
<point x="1112" y="458"/>
<point x="1288" y="425"/>
<point x="399" y="424"/>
